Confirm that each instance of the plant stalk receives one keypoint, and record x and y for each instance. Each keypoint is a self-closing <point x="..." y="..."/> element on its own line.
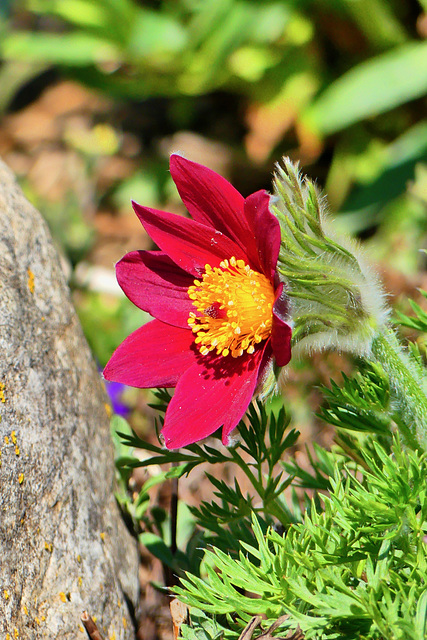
<point x="408" y="385"/>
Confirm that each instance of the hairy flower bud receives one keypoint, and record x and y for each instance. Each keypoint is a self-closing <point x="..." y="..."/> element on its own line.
<point x="336" y="299"/>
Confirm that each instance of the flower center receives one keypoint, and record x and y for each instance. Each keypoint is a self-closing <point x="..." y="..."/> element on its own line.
<point x="235" y="308"/>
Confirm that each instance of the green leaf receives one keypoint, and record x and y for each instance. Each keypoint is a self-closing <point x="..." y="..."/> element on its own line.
<point x="418" y="322"/>
<point x="373" y="87"/>
<point x="399" y="165"/>
<point x="377" y="21"/>
<point x="13" y="76"/>
<point x="119" y="429"/>
<point x="85" y="13"/>
<point x="76" y="49"/>
<point x="205" y="628"/>
<point x="156" y="34"/>
<point x="420" y="621"/>
<point x="157" y="547"/>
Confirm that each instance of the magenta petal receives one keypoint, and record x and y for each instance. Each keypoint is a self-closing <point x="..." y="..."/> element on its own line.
<point x="214" y="392"/>
<point x="212" y="200"/>
<point x="154" y="355"/>
<point x="190" y="244"/>
<point x="266" y="229"/>
<point x="154" y="283"/>
<point x="282" y="331"/>
<point x="281" y="341"/>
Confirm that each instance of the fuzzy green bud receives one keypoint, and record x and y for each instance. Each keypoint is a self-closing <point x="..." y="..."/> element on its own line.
<point x="336" y="299"/>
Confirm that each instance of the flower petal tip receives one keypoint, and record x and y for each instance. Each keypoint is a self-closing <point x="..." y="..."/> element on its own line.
<point x="228" y="440"/>
<point x="162" y="441"/>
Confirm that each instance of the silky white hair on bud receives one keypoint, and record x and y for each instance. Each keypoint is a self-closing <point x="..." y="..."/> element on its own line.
<point x="373" y="301"/>
<point x="336" y="299"/>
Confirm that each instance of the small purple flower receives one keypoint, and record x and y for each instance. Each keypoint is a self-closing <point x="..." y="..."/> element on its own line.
<point x="115" y="391"/>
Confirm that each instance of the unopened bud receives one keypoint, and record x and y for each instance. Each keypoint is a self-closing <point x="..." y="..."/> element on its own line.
<point x="336" y="298"/>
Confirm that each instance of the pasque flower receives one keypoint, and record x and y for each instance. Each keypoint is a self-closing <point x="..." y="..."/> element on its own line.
<point x="221" y="315"/>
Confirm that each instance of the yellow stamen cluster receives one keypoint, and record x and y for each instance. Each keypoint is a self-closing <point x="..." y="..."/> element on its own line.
<point x="234" y="308"/>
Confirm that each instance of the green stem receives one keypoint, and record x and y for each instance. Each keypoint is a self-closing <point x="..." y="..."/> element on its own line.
<point x="272" y="507"/>
<point x="245" y="468"/>
<point x="408" y="386"/>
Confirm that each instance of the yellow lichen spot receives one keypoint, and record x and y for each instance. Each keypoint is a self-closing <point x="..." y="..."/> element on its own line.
<point x="17" y="451"/>
<point x="81" y="629"/>
<point x="43" y="318"/>
<point x="80" y="581"/>
<point x="108" y="409"/>
<point x="6" y="440"/>
<point x="79" y="558"/>
<point x="24" y="609"/>
<point x="94" y="618"/>
<point x="43" y="618"/>
<point x="2" y="398"/>
<point x="13" y="437"/>
<point x="37" y="620"/>
<point x="63" y="596"/>
<point x="102" y="536"/>
<point x="15" y="633"/>
<point x="7" y="636"/>
<point x="21" y="478"/>
<point x="6" y="594"/>
<point x="48" y="546"/>
<point x="125" y="622"/>
<point x="113" y="636"/>
<point x="30" y="280"/>
<point x="119" y="604"/>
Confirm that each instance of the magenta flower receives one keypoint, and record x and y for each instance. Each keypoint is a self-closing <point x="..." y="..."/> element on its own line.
<point x="219" y="307"/>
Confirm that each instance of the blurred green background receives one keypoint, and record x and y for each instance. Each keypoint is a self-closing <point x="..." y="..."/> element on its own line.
<point x="95" y="94"/>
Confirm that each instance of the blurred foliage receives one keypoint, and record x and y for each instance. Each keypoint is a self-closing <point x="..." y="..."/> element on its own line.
<point x="339" y="84"/>
<point x="347" y="78"/>
<point x="186" y="47"/>
<point x="107" y="320"/>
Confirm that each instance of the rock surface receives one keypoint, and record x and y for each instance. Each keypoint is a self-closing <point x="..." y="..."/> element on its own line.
<point x="64" y="547"/>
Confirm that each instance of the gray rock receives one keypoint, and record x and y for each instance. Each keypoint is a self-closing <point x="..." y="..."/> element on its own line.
<point x="63" y="545"/>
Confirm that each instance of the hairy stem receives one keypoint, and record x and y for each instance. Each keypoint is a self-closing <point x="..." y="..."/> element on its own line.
<point x="408" y="386"/>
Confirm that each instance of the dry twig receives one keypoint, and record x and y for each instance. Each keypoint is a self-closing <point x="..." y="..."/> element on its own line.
<point x="90" y="626"/>
<point x="179" y="615"/>
<point x="268" y="635"/>
<point x="250" y="628"/>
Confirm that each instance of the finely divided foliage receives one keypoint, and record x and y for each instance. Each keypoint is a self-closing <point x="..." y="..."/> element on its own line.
<point x="356" y="568"/>
<point x="349" y="563"/>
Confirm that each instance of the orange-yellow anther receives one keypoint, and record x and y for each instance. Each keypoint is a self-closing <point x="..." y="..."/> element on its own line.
<point x="234" y="308"/>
